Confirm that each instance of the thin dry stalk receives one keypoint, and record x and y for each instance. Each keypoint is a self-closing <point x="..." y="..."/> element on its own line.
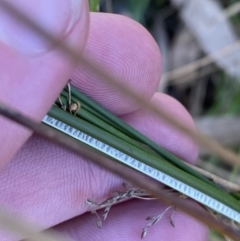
<point x="187" y="69"/>
<point x="229" y="186"/>
<point x="232" y="10"/>
<point x="21" y="227"/>
<point x="152" y="186"/>
<point x="97" y="157"/>
<point x="93" y="65"/>
<point x="174" y="76"/>
<point x="223" y="128"/>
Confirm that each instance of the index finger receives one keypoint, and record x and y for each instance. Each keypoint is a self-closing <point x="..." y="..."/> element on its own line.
<point x="126" y="50"/>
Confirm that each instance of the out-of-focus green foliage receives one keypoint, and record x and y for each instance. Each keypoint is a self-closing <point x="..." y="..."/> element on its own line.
<point x="138" y="9"/>
<point x="93" y="5"/>
<point x="227" y="96"/>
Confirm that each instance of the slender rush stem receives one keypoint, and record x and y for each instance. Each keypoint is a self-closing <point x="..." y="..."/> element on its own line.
<point x="158" y="163"/>
<point x="131" y="132"/>
<point x="98" y="122"/>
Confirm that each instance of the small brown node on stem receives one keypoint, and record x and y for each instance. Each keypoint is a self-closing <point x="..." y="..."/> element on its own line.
<point x="74" y="107"/>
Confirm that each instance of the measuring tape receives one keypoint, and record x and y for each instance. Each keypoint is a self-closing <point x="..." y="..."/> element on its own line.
<point x="143" y="168"/>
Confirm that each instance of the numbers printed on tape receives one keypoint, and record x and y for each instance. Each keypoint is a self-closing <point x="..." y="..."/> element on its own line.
<point x="137" y="165"/>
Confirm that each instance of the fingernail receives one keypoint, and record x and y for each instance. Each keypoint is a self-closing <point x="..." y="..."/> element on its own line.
<point x="54" y="16"/>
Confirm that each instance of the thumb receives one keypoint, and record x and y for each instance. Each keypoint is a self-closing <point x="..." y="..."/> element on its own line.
<point x="33" y="71"/>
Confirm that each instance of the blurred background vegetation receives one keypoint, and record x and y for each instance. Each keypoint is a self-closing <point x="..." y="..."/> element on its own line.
<point x="211" y="91"/>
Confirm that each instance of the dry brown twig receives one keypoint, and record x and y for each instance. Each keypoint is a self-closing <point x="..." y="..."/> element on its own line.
<point x="152" y="186"/>
<point x="222" y="128"/>
<point x="93" y="65"/>
<point x="228" y="186"/>
<point x="174" y="76"/>
<point x="23" y="228"/>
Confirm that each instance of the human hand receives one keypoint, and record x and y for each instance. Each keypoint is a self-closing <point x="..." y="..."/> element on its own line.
<point x="48" y="185"/>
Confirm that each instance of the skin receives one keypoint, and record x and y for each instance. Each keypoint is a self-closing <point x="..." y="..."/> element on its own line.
<point x="46" y="184"/>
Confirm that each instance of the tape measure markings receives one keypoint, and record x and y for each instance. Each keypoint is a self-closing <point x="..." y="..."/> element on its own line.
<point x="142" y="167"/>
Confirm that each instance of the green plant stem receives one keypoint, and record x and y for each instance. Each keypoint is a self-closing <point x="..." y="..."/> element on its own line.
<point x="151" y="160"/>
<point x="92" y="119"/>
<point x="131" y="132"/>
<point x="92" y="111"/>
